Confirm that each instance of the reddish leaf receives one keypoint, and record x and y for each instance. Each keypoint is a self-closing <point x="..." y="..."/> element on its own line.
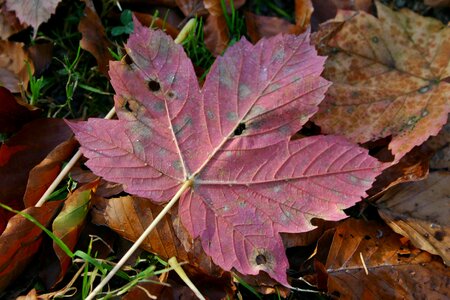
<point x="386" y="75"/>
<point x="395" y="271"/>
<point x="94" y="37"/>
<point x="42" y="175"/>
<point x="33" y="12"/>
<point x="13" y="113"/>
<point x="230" y="140"/>
<point x="21" y="240"/>
<point x="9" y="24"/>
<point x="21" y="153"/>
<point x="70" y="221"/>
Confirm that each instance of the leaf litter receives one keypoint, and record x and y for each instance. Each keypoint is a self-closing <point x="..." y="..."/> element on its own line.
<point x="249" y="134"/>
<point x="221" y="140"/>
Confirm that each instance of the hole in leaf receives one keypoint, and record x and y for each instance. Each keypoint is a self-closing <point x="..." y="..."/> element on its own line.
<point x="366" y="237"/>
<point x="261" y="259"/>
<point x="126" y="106"/>
<point x="239" y="129"/>
<point x="127" y="60"/>
<point x="154" y="85"/>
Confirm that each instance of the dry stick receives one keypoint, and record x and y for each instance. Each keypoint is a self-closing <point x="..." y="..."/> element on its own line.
<point x="66" y="169"/>
<point x="136" y="244"/>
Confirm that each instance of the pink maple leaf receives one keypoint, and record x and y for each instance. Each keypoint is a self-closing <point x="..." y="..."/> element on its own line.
<point x="231" y="141"/>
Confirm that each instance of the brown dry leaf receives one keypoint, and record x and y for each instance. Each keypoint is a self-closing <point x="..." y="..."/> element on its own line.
<point x="9" y="24"/>
<point x="437" y="3"/>
<point x="129" y="216"/>
<point x="41" y="54"/>
<point x="21" y="240"/>
<point x="214" y="7"/>
<point x="263" y="26"/>
<point x="43" y="174"/>
<point x="420" y="211"/>
<point x="327" y="9"/>
<point x="13" y="69"/>
<point x="216" y="33"/>
<point x="33" y="12"/>
<point x="105" y="188"/>
<point x="386" y="75"/>
<point x="441" y="144"/>
<point x="395" y="271"/>
<point x="94" y="39"/>
<point x="166" y="25"/>
<point x="191" y="8"/>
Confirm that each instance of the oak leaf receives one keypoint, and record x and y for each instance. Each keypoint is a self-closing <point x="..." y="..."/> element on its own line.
<point x="387" y="78"/>
<point x="230" y="143"/>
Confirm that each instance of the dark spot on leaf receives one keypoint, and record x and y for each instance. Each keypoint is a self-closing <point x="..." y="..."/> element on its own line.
<point x="340" y="235"/>
<point x="127" y="59"/>
<point x="261" y="259"/>
<point x="170" y="94"/>
<point x="366" y="237"/>
<point x="154" y="85"/>
<point x="375" y="40"/>
<point x="239" y="129"/>
<point x="126" y="106"/>
<point x="405" y="255"/>
<point x="439" y="235"/>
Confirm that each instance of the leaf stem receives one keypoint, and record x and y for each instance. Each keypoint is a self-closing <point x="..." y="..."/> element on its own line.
<point x="139" y="241"/>
<point x="66" y="169"/>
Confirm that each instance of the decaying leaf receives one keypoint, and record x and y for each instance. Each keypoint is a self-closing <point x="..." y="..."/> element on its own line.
<point x="129" y="216"/>
<point x="70" y="221"/>
<point x="94" y="37"/>
<point x="9" y="24"/>
<point x="21" y="240"/>
<point x="394" y="270"/>
<point x="43" y="174"/>
<point x="230" y="143"/>
<point x="386" y="75"/>
<point x="420" y="211"/>
<point x="13" y="68"/>
<point x="33" y="12"/>
<point x="20" y="154"/>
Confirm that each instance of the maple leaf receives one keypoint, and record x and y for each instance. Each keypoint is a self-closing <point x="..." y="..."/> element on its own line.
<point x="230" y="143"/>
<point x="387" y="78"/>
<point x="33" y="12"/>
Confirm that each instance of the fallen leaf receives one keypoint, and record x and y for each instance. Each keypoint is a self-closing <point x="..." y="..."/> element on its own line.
<point x="21" y="153"/>
<point x="191" y="8"/>
<point x="129" y="216"/>
<point x="33" y="12"/>
<point x="9" y="24"/>
<point x="105" y="188"/>
<point x="214" y="7"/>
<point x="41" y="54"/>
<point x="327" y="9"/>
<point x="13" y="69"/>
<point x="13" y="112"/>
<point x="221" y="141"/>
<point x="94" y="39"/>
<point x="386" y="75"/>
<point x="395" y="271"/>
<point x="420" y="211"/>
<point x="43" y="174"/>
<point x="217" y="35"/>
<point x="166" y="24"/>
<point x="21" y="240"/>
<point x="264" y="26"/>
<point x="70" y="221"/>
<point x="437" y="3"/>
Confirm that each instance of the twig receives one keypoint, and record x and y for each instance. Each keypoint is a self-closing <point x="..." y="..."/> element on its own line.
<point x="66" y="169"/>
<point x="139" y="241"/>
